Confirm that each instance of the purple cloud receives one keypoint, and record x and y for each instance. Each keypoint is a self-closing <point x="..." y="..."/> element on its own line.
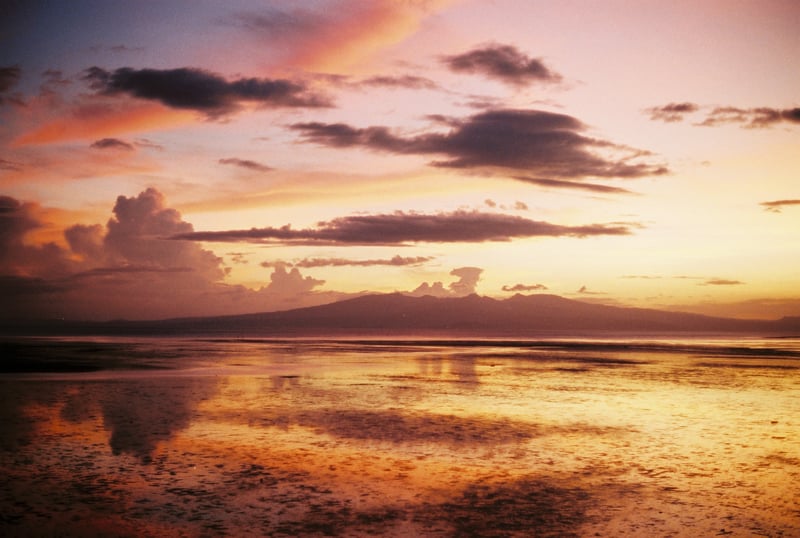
<point x="403" y="228"/>
<point x="535" y="142"/>
<point x="503" y="62"/>
<point x="201" y="90"/>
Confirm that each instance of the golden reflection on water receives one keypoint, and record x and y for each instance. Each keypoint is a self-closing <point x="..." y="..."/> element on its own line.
<point x="342" y="438"/>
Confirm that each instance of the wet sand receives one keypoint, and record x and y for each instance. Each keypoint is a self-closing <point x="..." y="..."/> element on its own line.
<point x="322" y="438"/>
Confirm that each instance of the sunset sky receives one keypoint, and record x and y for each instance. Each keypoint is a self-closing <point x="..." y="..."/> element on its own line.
<point x="162" y="159"/>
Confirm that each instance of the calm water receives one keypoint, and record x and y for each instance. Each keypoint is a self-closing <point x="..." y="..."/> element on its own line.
<point x="178" y="437"/>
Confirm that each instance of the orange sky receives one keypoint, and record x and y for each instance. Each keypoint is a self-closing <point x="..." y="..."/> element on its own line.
<point x="190" y="159"/>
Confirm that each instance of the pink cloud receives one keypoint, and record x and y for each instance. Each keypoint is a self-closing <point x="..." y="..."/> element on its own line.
<point x="126" y="269"/>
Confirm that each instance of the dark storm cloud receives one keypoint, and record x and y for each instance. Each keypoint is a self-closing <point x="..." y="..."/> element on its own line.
<point x="12" y="286"/>
<point x="396" y="261"/>
<point x="400" y="228"/>
<point x="775" y="206"/>
<point x="561" y="184"/>
<point x="672" y="112"/>
<point x="502" y="62"/>
<point x="9" y="76"/>
<point x="404" y="81"/>
<point x="531" y="141"/>
<point x="201" y="90"/>
<point x="112" y="143"/>
<point x="525" y="287"/>
<point x="246" y="164"/>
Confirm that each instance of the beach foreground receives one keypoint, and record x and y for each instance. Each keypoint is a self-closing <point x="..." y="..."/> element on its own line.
<point x="179" y="437"/>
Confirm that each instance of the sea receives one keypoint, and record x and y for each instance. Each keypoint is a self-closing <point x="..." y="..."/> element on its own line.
<point x="400" y="436"/>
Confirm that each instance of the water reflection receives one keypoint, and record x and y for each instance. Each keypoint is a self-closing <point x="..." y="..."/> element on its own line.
<point x="460" y="368"/>
<point x="446" y="441"/>
<point x="139" y="413"/>
<point x="17" y="426"/>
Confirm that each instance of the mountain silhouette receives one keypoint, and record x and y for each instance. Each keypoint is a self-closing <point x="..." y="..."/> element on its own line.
<point x="396" y="313"/>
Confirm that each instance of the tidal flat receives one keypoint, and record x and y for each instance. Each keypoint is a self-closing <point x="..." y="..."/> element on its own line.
<point x="402" y="437"/>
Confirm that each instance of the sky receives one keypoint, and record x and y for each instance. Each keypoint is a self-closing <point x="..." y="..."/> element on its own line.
<point x="190" y="158"/>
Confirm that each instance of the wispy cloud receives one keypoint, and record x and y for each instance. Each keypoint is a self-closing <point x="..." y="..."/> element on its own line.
<point x="402" y="228"/>
<point x="530" y="141"/>
<point x="503" y="62"/>
<point x="94" y="118"/>
<point x="776" y="206"/>
<point x="338" y="37"/>
<point x="577" y="185"/>
<point x="749" y="118"/>
<point x="672" y="112"/>
<point x="721" y="282"/>
<point x="396" y="261"/>
<point x="201" y="90"/>
<point x="10" y="165"/>
<point x="412" y="82"/>
<point x="518" y="288"/>
<point x="753" y="118"/>
<point x="246" y="164"/>
<point x="583" y="290"/>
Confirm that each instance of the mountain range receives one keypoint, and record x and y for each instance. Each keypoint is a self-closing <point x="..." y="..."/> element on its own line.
<point x="395" y="314"/>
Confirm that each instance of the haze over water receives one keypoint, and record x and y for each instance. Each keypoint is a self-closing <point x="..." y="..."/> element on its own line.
<point x="194" y="437"/>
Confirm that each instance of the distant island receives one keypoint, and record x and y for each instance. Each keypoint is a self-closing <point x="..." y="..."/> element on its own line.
<point x="396" y="313"/>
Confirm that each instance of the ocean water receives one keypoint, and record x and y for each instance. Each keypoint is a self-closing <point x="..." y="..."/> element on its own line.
<point x="401" y="437"/>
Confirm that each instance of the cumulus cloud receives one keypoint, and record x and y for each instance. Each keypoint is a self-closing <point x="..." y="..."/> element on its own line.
<point x="18" y="258"/>
<point x="135" y="236"/>
<point x="466" y="284"/>
<point x="290" y="283"/>
<point x="126" y="269"/>
<point x="200" y="90"/>
<point x="112" y="143"/>
<point x="503" y="62"/>
<point x="776" y="206"/>
<point x="401" y="228"/>
<point x="246" y="164"/>
<point x="519" y="288"/>
<point x="530" y="141"/>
